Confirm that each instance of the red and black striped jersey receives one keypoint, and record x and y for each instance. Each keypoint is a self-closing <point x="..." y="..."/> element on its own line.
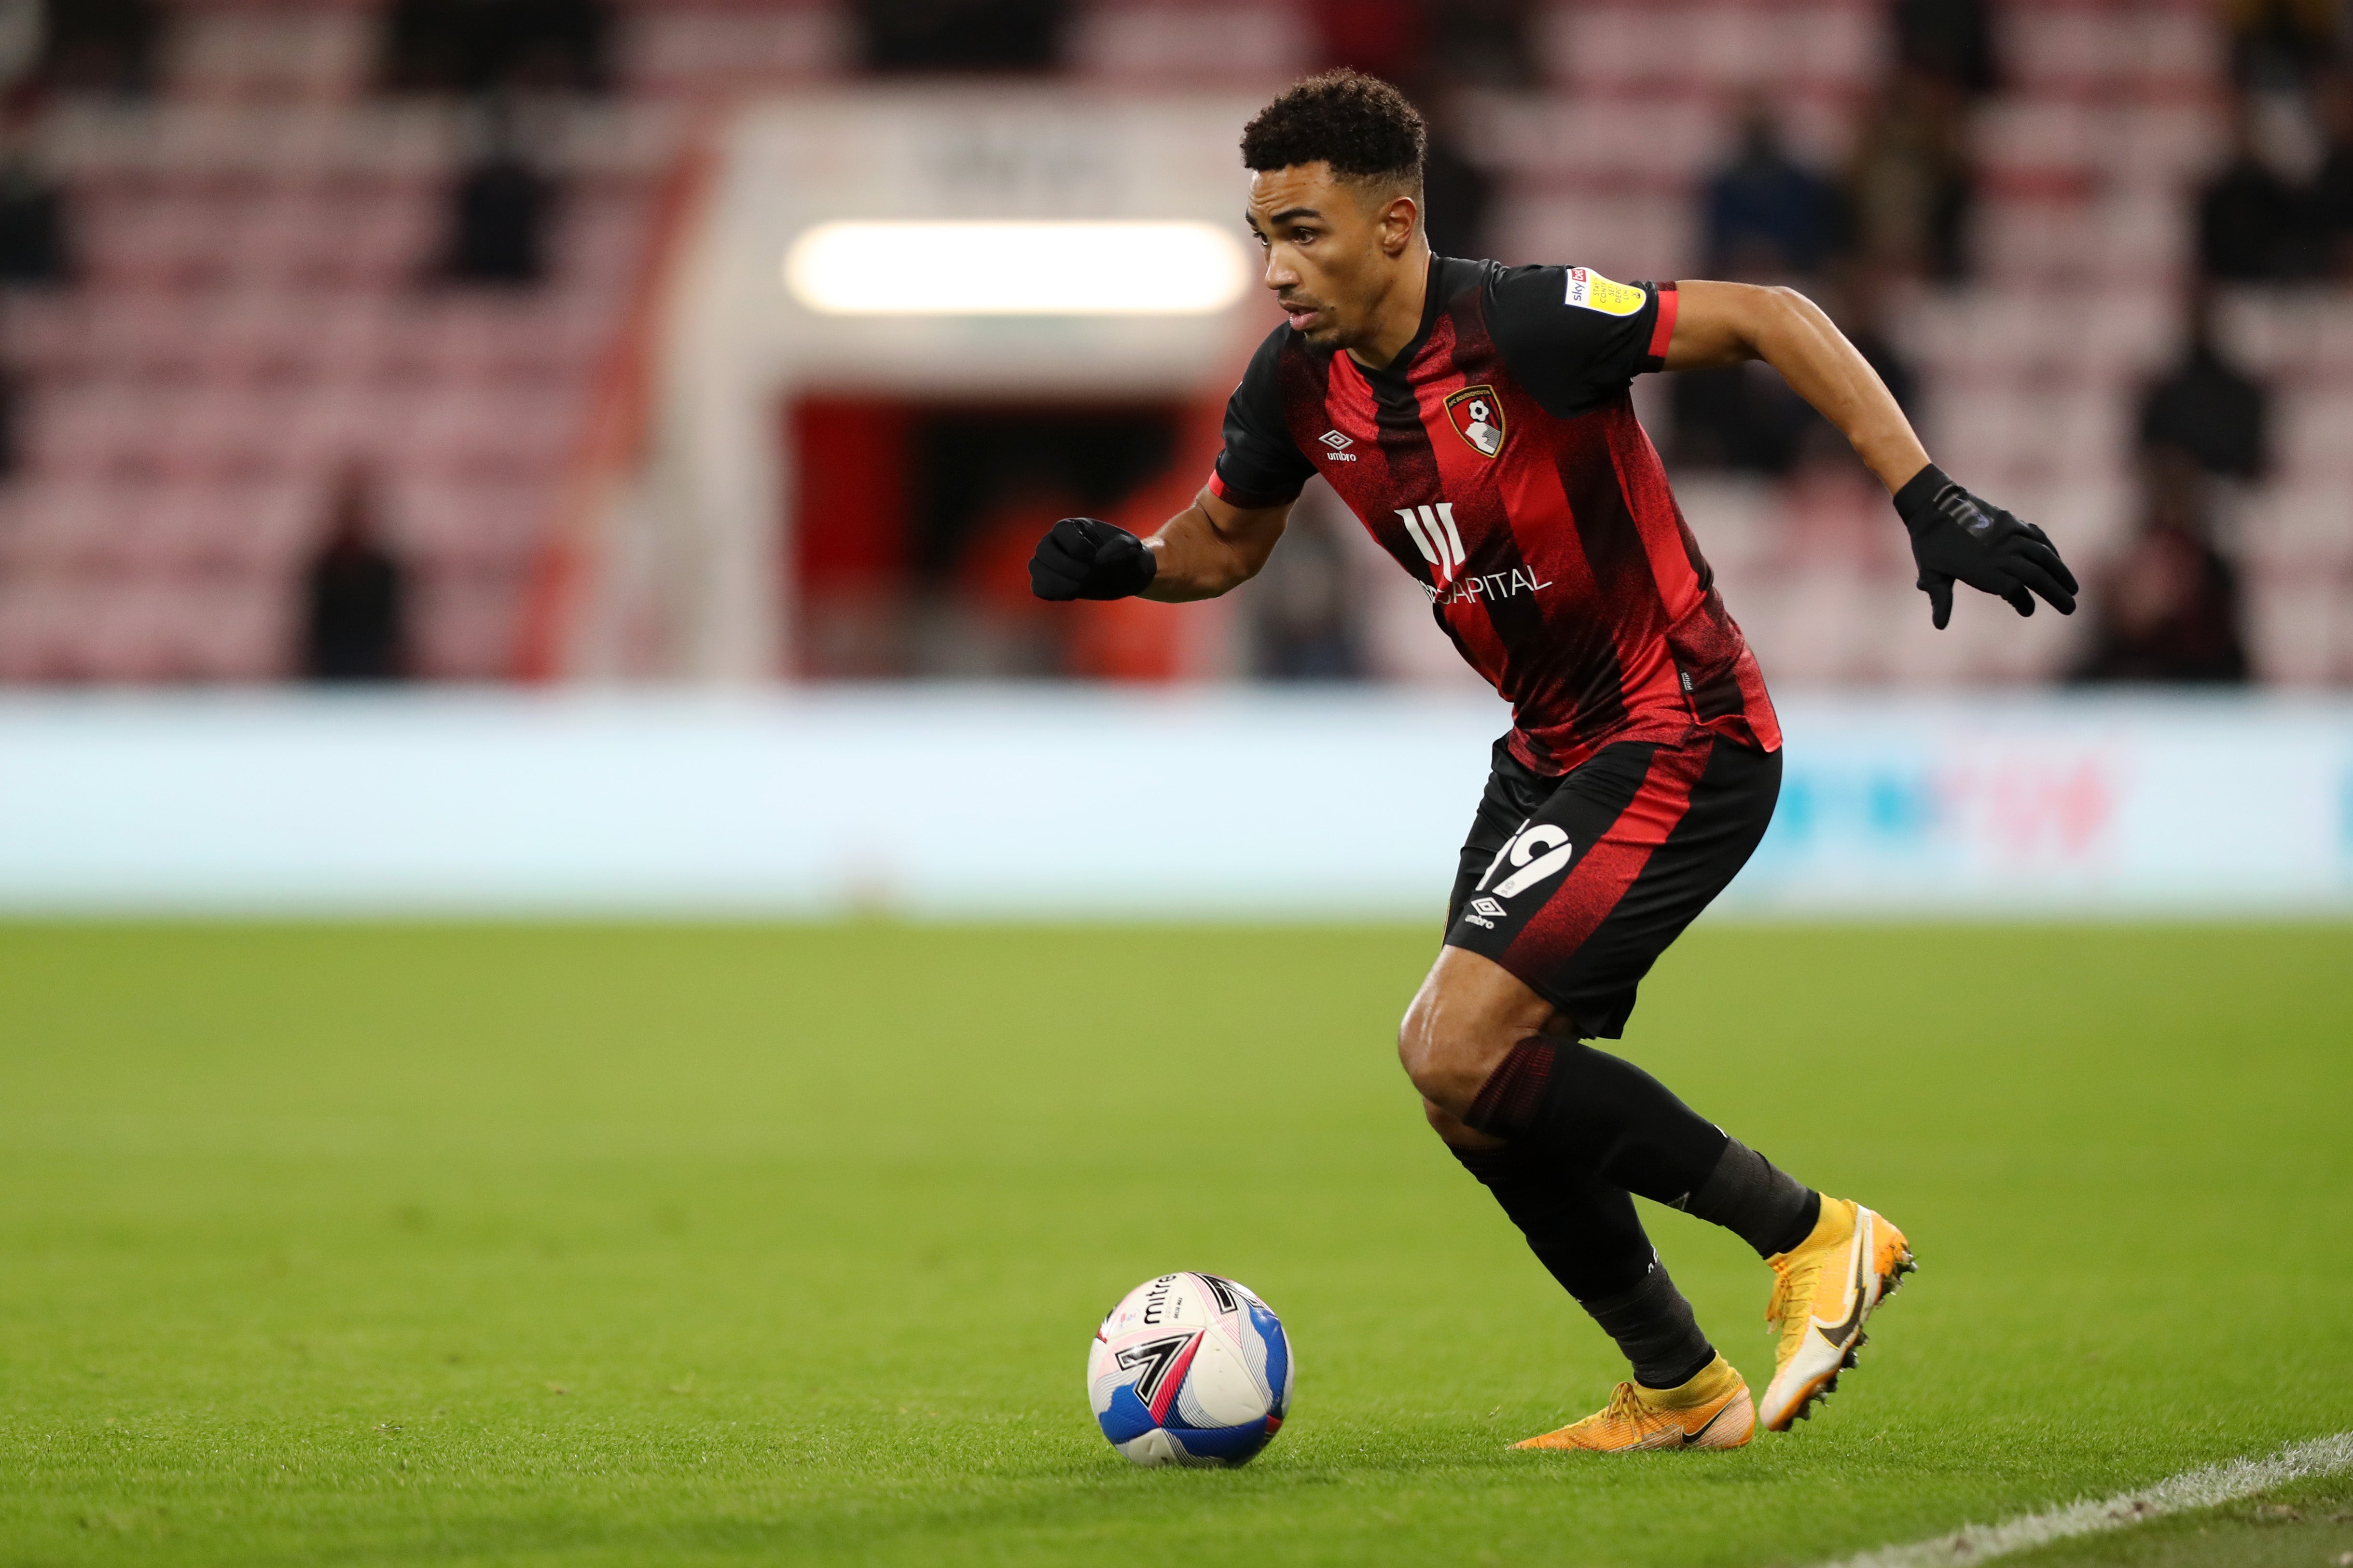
<point x="1499" y="460"/>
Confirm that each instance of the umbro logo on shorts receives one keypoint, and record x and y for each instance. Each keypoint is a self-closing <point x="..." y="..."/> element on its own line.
<point x="1488" y="906"/>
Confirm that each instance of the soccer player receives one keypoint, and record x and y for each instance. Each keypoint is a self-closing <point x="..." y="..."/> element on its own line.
<point x="1477" y="419"/>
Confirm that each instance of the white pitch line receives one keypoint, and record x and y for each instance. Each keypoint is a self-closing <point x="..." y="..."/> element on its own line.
<point x="2190" y="1489"/>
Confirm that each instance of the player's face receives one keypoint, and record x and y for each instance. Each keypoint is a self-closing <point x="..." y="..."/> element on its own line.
<point x="1331" y="254"/>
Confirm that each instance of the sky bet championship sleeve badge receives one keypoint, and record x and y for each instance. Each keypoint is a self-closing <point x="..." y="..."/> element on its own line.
<point x="1594" y="292"/>
<point x="1478" y="417"/>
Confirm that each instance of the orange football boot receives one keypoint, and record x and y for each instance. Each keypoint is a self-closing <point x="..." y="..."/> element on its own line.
<point x="1822" y="1291"/>
<point x="1712" y="1411"/>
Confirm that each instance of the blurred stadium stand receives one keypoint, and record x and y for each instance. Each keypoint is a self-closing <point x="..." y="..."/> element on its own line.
<point x="257" y="300"/>
<point x="256" y="206"/>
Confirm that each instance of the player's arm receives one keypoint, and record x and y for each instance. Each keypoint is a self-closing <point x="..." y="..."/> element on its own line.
<point x="1725" y="324"/>
<point x="1955" y="535"/>
<point x="1212" y="547"/>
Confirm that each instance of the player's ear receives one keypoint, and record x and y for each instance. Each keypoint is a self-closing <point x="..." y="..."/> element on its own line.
<point x="1396" y="224"/>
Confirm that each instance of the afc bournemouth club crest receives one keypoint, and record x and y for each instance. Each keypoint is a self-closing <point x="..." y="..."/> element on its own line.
<point x="1478" y="418"/>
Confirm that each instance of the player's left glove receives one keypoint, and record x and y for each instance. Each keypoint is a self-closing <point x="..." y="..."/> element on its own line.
<point x="1956" y="537"/>
<point x="1084" y="558"/>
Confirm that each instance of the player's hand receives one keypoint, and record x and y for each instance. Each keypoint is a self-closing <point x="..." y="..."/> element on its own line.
<point x="1084" y="558"/>
<point x="1956" y="537"/>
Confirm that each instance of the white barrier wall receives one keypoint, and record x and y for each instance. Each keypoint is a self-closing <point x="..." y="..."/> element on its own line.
<point x="979" y="802"/>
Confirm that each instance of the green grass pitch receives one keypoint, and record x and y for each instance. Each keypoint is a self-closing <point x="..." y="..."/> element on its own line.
<point x="593" y="1245"/>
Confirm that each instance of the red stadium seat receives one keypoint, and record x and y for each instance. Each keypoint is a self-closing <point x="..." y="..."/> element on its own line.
<point x="470" y="524"/>
<point x="1204" y="45"/>
<point x="272" y="52"/>
<point x="466" y="624"/>
<point x="687" y="48"/>
<point x="2300" y="627"/>
<point x="1831" y="46"/>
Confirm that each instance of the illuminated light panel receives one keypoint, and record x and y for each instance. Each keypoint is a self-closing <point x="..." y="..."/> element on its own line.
<point x="1017" y="268"/>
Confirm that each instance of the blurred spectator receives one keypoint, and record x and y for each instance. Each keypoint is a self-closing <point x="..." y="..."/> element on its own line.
<point x="1745" y="418"/>
<point x="22" y="26"/>
<point x="1909" y="184"/>
<point x="32" y="242"/>
<point x="2249" y="219"/>
<point x="12" y="409"/>
<point x="1301" y="612"/>
<point x="1946" y="41"/>
<point x="99" y="45"/>
<point x="1768" y="216"/>
<point x="961" y="34"/>
<point x="2207" y="410"/>
<point x="355" y="621"/>
<point x="32" y="224"/>
<point x="32" y="205"/>
<point x="1388" y="39"/>
<point x="2280" y="43"/>
<point x="2168" y="608"/>
<point x="1484" y="43"/>
<point x="477" y="46"/>
<point x="498" y="213"/>
<point x="2332" y="188"/>
<point x="1457" y="194"/>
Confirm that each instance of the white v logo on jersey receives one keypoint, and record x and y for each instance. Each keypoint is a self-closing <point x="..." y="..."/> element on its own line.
<point x="1433" y="531"/>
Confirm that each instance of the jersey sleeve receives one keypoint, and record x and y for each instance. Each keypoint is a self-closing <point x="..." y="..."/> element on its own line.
<point x="1574" y="338"/>
<point x="1261" y="464"/>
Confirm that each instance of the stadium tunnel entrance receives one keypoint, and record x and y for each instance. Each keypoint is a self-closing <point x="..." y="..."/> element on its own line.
<point x="810" y="480"/>
<point x="917" y="520"/>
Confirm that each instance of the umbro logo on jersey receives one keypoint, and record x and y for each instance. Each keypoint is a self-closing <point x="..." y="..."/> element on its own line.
<point x="1339" y="445"/>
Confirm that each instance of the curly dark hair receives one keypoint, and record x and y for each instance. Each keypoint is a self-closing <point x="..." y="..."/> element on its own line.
<point x="1359" y="125"/>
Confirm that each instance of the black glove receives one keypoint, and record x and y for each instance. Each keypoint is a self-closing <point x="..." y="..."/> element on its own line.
<point x="1082" y="558"/>
<point x="1956" y="537"/>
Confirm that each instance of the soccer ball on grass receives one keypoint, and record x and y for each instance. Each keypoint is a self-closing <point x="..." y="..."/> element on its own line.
<point x="1190" y="1369"/>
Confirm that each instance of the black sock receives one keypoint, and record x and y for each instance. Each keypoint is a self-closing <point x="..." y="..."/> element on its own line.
<point x="1767" y="1209"/>
<point x="1586" y="1232"/>
<point x="1581" y="1228"/>
<point x="1653" y="1325"/>
<point x="1585" y="1108"/>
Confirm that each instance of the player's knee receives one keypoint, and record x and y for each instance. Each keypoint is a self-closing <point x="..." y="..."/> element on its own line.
<point x="1446" y="1056"/>
<point x="1417" y="1040"/>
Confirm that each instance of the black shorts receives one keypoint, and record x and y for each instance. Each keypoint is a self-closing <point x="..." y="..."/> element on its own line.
<point x="1577" y="884"/>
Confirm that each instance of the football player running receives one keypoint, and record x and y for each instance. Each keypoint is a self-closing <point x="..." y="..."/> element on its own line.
<point x="1477" y="418"/>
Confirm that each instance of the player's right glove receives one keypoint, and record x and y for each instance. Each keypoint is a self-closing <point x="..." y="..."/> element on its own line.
<point x="1084" y="558"/>
<point x="1956" y="537"/>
